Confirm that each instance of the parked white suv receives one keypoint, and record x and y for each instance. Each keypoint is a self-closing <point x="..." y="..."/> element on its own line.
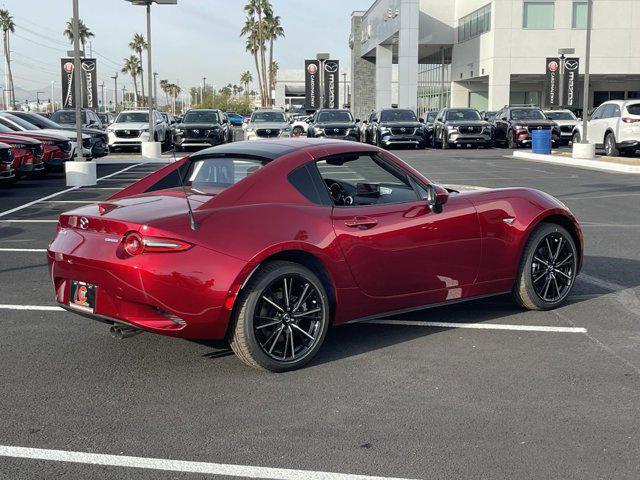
<point x="267" y="123"/>
<point x="614" y="126"/>
<point x="567" y="122"/>
<point x="131" y="128"/>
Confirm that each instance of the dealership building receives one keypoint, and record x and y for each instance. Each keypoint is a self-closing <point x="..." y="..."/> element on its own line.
<point x="428" y="54"/>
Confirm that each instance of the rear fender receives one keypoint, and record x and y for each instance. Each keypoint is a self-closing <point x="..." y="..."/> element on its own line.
<point x="166" y="177"/>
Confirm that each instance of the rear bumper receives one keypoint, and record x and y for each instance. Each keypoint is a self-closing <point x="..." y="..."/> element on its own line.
<point x="146" y="291"/>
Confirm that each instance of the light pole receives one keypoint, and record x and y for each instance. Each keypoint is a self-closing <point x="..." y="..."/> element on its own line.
<point x="584" y="149"/>
<point x="151" y="148"/>
<point x="78" y="173"/>
<point x="102" y="95"/>
<point x="115" y="91"/>
<point x="155" y="90"/>
<point x="204" y="87"/>
<point x="38" y="99"/>
<point x="53" y="102"/>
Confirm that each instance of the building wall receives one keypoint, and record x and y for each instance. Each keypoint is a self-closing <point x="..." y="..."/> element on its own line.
<point x="363" y="91"/>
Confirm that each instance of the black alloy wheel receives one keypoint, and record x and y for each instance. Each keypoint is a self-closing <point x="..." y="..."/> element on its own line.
<point x="282" y="318"/>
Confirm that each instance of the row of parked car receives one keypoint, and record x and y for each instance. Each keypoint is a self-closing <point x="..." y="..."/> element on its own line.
<point x="613" y="126"/>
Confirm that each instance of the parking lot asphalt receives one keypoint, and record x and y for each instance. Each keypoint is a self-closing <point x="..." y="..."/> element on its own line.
<point x="533" y="395"/>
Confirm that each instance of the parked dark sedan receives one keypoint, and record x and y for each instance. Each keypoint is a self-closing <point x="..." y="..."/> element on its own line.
<point x="513" y="126"/>
<point x="461" y="126"/>
<point x="333" y="123"/>
<point x="202" y="128"/>
<point x="395" y="127"/>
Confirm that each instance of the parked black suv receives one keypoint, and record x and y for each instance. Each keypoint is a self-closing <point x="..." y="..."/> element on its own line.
<point x="513" y="125"/>
<point x="67" y="118"/>
<point x="334" y="123"/>
<point x="202" y="128"/>
<point x="461" y="126"/>
<point x="395" y="126"/>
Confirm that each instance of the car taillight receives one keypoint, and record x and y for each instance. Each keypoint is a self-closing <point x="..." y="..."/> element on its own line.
<point x="135" y="244"/>
<point x="630" y="120"/>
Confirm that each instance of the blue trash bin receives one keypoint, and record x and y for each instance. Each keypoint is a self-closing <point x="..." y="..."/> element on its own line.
<point x="541" y="141"/>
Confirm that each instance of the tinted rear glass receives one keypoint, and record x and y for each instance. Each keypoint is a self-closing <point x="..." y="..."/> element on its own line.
<point x="634" y="109"/>
<point x="201" y="117"/>
<point x="397" y="116"/>
<point x="212" y="175"/>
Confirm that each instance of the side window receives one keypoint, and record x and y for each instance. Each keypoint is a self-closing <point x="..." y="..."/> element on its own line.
<point x="615" y="111"/>
<point x="440" y="115"/>
<point x="361" y="179"/>
<point x="597" y="114"/>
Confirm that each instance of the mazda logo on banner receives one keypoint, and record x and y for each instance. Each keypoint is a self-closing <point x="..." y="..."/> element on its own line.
<point x="331" y="84"/>
<point x="570" y="82"/>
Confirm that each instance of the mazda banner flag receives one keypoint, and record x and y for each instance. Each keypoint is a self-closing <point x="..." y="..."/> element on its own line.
<point x="312" y="84"/>
<point x="331" y="84"/>
<point x="570" y="82"/>
<point x="553" y="81"/>
<point x="89" y="83"/>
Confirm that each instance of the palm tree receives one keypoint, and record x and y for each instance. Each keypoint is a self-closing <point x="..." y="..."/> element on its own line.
<point x="250" y="29"/>
<point x="273" y="74"/>
<point x="164" y="87"/>
<point x="8" y="26"/>
<point x="83" y="32"/>
<point x="273" y="31"/>
<point x="246" y="79"/>
<point x="256" y="11"/>
<point x="138" y="44"/>
<point x="174" y="91"/>
<point x="132" y="68"/>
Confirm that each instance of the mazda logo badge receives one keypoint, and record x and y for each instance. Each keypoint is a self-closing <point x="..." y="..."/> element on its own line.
<point x="331" y="67"/>
<point x="336" y="130"/>
<point x="571" y="64"/>
<point x="403" y="129"/>
<point x="196" y="132"/>
<point x="84" y="223"/>
<point x="127" y="132"/>
<point x="268" y="131"/>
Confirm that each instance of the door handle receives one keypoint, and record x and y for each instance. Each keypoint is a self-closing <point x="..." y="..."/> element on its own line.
<point x="361" y="222"/>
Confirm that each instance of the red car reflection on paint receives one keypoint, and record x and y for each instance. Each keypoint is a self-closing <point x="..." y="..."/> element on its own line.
<point x="290" y="236"/>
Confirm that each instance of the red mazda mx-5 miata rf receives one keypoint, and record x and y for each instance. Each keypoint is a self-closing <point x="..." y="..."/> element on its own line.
<point x="267" y="244"/>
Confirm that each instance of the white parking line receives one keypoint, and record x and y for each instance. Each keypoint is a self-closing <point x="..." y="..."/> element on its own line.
<point x="53" y="195"/>
<point x="244" y="471"/>
<point x="20" y="220"/>
<point x="23" y="249"/>
<point x="481" y="326"/>
<point x="37" y="308"/>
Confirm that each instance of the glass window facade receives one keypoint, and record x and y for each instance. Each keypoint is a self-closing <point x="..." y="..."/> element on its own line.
<point x="538" y="15"/>
<point x="474" y="24"/>
<point x="579" y="16"/>
<point x="524" y="98"/>
<point x="434" y="81"/>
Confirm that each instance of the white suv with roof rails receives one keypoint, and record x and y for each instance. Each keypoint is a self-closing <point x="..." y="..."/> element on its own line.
<point x="131" y="129"/>
<point x="614" y="126"/>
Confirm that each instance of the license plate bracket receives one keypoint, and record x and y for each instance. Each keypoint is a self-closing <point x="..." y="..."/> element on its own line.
<point x="82" y="296"/>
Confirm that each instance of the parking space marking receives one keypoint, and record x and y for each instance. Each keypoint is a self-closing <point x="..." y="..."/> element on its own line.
<point x="19" y="220"/>
<point x="53" y="195"/>
<point x="244" y="471"/>
<point x="481" y="326"/>
<point x="37" y="308"/>
<point x="23" y="249"/>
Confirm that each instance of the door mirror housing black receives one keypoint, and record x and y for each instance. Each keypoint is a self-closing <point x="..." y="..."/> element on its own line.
<point x="421" y="120"/>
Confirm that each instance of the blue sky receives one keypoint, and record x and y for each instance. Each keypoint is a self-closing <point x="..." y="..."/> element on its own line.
<point x="196" y="38"/>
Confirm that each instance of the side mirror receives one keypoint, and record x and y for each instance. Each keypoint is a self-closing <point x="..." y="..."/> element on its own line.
<point x="437" y="196"/>
<point x="421" y="120"/>
<point x="357" y="120"/>
<point x="579" y="119"/>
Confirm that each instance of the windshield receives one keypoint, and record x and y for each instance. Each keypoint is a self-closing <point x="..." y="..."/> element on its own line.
<point x="5" y="129"/>
<point x="431" y="117"/>
<point x="64" y="117"/>
<point x="103" y="117"/>
<point x="397" y="116"/>
<point x="212" y="175"/>
<point x="42" y="122"/>
<point x="201" y="117"/>
<point x="263" y="117"/>
<point x="133" y="117"/>
<point x="527" y="114"/>
<point x="462" y="114"/>
<point x="335" y="116"/>
<point x="18" y="121"/>
<point x="560" y="115"/>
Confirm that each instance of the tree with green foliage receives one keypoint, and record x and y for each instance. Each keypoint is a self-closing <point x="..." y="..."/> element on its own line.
<point x="138" y="44"/>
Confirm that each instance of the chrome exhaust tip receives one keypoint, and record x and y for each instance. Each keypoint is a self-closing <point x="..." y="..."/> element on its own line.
<point x="123" y="331"/>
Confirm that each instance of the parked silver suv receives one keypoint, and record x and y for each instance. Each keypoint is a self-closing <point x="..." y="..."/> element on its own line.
<point x="265" y="124"/>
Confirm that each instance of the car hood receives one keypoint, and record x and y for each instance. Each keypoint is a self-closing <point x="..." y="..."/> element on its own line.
<point x="63" y="133"/>
<point x="198" y="126"/>
<point x="88" y="131"/>
<point x="269" y="125"/>
<point x="16" y="138"/>
<point x="535" y="123"/>
<point x="44" y="136"/>
<point x="468" y="123"/>
<point x="130" y="125"/>
<point x="566" y="122"/>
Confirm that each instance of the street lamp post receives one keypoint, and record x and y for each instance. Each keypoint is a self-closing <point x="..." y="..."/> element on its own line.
<point x="155" y="90"/>
<point x="584" y="149"/>
<point x="151" y="148"/>
<point x="115" y="91"/>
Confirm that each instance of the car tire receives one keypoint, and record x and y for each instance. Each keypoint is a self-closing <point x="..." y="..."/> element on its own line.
<point x="547" y="269"/>
<point x="576" y="138"/>
<point x="610" y="148"/>
<point x="511" y="141"/>
<point x="255" y="343"/>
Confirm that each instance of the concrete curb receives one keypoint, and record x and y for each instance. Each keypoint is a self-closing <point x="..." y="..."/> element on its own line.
<point x="580" y="163"/>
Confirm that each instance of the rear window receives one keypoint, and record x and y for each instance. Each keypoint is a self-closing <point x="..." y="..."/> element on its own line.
<point x="634" y="109"/>
<point x="212" y="175"/>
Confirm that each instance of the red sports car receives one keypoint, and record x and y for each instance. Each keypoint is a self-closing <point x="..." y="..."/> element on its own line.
<point x="267" y="244"/>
